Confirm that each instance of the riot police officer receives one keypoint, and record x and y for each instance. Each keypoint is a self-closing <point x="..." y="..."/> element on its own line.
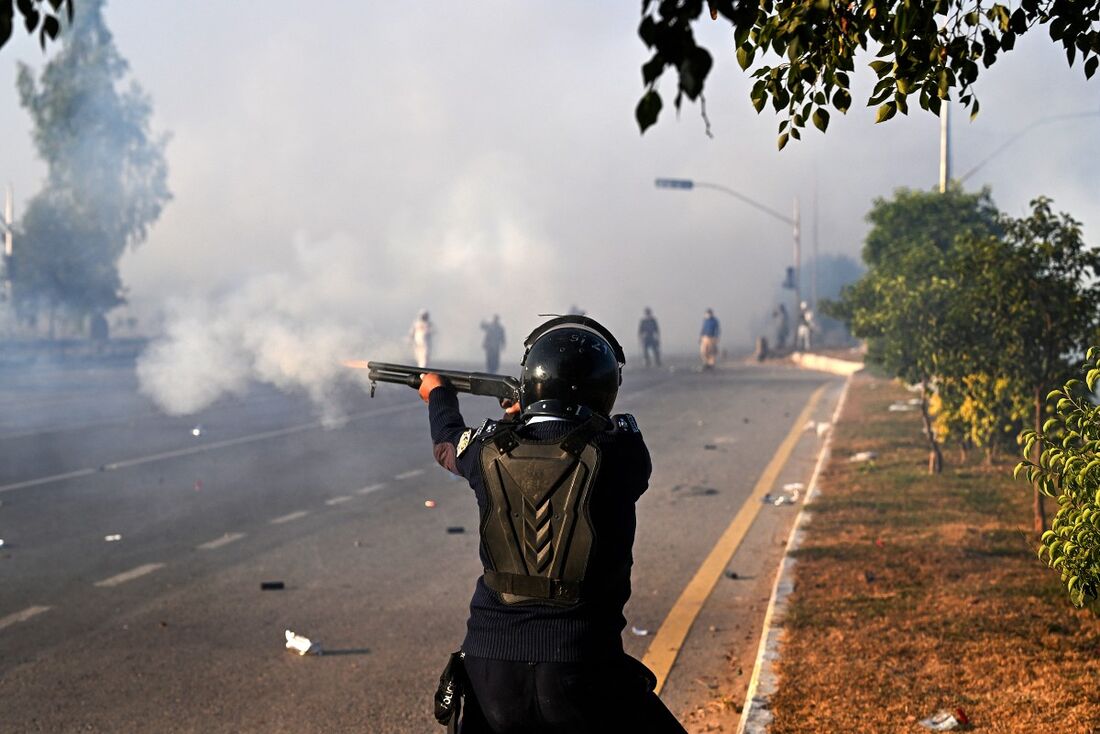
<point x="556" y="483"/>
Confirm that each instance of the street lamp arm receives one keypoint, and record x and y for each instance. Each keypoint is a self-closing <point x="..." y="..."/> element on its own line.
<point x="1038" y="123"/>
<point x="766" y="209"/>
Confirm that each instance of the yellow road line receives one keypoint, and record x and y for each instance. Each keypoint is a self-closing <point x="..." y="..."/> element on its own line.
<point x="666" y="644"/>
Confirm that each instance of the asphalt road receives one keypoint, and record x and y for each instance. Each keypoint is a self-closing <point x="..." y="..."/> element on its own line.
<point x="167" y="628"/>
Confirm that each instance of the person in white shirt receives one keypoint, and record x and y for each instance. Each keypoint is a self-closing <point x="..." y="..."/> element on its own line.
<point x="421" y="337"/>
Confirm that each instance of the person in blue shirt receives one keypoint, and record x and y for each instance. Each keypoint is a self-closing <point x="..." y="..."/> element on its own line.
<point x="708" y="339"/>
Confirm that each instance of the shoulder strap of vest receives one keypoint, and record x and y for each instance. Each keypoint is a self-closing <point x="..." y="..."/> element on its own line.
<point x="573" y="443"/>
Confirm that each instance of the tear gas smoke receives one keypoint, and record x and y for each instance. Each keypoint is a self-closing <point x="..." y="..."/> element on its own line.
<point x="290" y="329"/>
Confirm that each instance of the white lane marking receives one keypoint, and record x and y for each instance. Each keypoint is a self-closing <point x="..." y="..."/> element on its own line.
<point x="191" y="450"/>
<point x="288" y="518"/>
<point x="130" y="575"/>
<point x="48" y="480"/>
<point x="338" y="500"/>
<point x="409" y="474"/>
<point x="22" y="616"/>
<point x="371" y="488"/>
<point x="219" y="542"/>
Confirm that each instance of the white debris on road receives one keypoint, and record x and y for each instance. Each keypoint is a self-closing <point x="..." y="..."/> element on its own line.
<point x="863" y="456"/>
<point x="112" y="538"/>
<point x="302" y="645"/>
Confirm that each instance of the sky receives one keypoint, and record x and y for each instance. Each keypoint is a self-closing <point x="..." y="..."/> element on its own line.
<point x="353" y="163"/>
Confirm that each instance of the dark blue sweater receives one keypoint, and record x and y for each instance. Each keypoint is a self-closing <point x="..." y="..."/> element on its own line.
<point x="535" y="632"/>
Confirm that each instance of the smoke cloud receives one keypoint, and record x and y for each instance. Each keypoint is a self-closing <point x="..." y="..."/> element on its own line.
<point x="291" y="329"/>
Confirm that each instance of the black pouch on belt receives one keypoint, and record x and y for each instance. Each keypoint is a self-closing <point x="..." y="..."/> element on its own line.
<point x="448" y="696"/>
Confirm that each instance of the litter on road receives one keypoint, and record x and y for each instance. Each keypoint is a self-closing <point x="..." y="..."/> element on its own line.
<point x="639" y="632"/>
<point x="822" y="429"/>
<point x="429" y="504"/>
<point x="302" y="645"/>
<point x="456" y="530"/>
<point x="196" y="431"/>
<point x="112" y="538"/>
<point x="1" y="542"/>
<point x="863" y="456"/>
<point x="793" y="486"/>
<point x="710" y="447"/>
<point x="272" y="586"/>
<point x="946" y="720"/>
<point x="900" y="407"/>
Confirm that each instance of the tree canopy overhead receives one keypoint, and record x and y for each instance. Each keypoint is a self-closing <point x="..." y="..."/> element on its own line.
<point x="802" y="52"/>
<point x="43" y="16"/>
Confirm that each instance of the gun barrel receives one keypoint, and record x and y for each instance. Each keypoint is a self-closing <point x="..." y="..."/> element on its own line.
<point x="502" y="387"/>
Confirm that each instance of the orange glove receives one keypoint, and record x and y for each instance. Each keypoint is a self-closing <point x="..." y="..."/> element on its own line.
<point x="428" y="382"/>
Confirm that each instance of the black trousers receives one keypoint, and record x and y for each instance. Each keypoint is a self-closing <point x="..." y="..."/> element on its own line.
<point x="507" y="697"/>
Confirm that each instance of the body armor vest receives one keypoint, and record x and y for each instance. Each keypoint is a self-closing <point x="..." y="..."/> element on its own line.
<point x="536" y="531"/>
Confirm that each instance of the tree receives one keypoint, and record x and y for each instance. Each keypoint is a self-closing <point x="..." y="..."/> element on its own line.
<point x="1041" y="305"/>
<point x="902" y="313"/>
<point x="41" y="15"/>
<point x="925" y="48"/>
<point x="1066" y="465"/>
<point x="908" y="306"/>
<point x="106" y="181"/>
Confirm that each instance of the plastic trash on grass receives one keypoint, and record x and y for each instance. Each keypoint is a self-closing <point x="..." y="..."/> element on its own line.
<point x="863" y="456"/>
<point x="946" y="720"/>
<point x="301" y="645"/>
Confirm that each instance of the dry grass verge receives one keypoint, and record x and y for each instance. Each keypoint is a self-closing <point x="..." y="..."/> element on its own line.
<point x="916" y="593"/>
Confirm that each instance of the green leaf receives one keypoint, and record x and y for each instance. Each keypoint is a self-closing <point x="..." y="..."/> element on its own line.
<point x="1090" y="66"/>
<point x="821" y="119"/>
<point x="885" y="112"/>
<point x="782" y="143"/>
<point x="653" y="69"/>
<point x="649" y="107"/>
<point x="882" y="68"/>
<point x="745" y="55"/>
<point x="842" y="100"/>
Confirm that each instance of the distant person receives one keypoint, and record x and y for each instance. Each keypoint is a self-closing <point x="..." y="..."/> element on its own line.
<point x="782" y="327"/>
<point x="493" y="343"/>
<point x="806" y="326"/>
<point x="420" y="335"/>
<point x="649" y="333"/>
<point x="708" y="339"/>
<point x="99" y="331"/>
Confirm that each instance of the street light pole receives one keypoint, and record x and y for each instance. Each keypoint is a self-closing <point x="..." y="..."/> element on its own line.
<point x="795" y="221"/>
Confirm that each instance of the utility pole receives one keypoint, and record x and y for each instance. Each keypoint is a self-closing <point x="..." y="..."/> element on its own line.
<point x="945" y="145"/>
<point x="797" y="219"/>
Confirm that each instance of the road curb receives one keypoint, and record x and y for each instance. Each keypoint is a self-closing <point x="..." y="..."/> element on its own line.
<point x="821" y="363"/>
<point x="756" y="717"/>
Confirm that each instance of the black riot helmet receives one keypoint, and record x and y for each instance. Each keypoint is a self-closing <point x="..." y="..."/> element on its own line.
<point x="572" y="365"/>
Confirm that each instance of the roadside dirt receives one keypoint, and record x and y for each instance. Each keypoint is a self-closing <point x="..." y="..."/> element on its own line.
<point x="916" y="593"/>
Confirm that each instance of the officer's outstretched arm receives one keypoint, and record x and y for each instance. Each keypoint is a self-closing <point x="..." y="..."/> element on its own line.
<point x="448" y="428"/>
